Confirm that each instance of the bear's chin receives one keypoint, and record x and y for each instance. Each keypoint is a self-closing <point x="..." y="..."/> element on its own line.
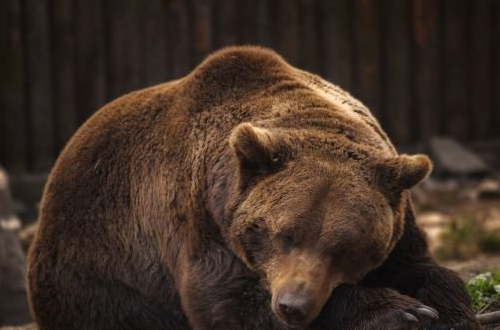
<point x="291" y="325"/>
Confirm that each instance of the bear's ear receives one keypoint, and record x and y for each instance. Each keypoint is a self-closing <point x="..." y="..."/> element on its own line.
<point x="403" y="172"/>
<point x="254" y="149"/>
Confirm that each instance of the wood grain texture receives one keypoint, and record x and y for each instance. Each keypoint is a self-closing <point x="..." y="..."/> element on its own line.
<point x="284" y="32"/>
<point x="367" y="54"/>
<point x="427" y="68"/>
<point x="396" y="61"/>
<point x="39" y="83"/>
<point x="263" y="23"/>
<point x="179" y="37"/>
<point x="337" y="41"/>
<point x="62" y="30"/>
<point x="226" y="15"/>
<point x="481" y="69"/>
<point x="309" y="35"/>
<point x="202" y="33"/>
<point x="90" y="68"/>
<point x="123" y="46"/>
<point x="495" y="41"/>
<point x="254" y="22"/>
<point x="153" y="42"/>
<point x="456" y="73"/>
<point x="13" y="120"/>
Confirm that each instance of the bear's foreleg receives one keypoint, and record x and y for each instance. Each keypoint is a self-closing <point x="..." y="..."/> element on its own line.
<point x="411" y="270"/>
<point x="354" y="307"/>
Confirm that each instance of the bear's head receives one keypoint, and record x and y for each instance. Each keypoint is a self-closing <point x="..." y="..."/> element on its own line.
<point x="308" y="219"/>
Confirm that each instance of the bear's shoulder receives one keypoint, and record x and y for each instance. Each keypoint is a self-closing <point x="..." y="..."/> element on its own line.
<point x="243" y="61"/>
<point x="238" y="68"/>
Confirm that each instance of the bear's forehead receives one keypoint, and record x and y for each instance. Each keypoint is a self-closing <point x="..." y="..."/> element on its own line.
<point x="337" y="146"/>
<point x="309" y="196"/>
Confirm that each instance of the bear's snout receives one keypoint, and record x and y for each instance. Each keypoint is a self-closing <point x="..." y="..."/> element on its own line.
<point x="301" y="287"/>
<point x="294" y="309"/>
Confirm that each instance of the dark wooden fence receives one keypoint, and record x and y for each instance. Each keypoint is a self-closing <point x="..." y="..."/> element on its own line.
<point x="424" y="67"/>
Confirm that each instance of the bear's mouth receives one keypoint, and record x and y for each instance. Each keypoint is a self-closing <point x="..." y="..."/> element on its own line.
<point x="292" y="326"/>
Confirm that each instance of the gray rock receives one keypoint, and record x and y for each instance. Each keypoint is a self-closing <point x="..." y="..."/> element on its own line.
<point x="14" y="308"/>
<point x="8" y="219"/>
<point x="450" y="157"/>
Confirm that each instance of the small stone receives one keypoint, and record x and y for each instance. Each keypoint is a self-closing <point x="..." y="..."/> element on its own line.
<point x="441" y="186"/>
<point x="433" y="219"/>
<point x="8" y="219"/>
<point x="488" y="188"/>
<point x="13" y="310"/>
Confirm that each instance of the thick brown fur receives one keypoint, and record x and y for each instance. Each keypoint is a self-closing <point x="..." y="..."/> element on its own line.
<point x="207" y="202"/>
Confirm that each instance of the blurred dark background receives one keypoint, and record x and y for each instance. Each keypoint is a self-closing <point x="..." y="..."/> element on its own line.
<point x="424" y="67"/>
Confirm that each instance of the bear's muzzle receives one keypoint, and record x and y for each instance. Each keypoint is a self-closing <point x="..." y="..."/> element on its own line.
<point x="301" y="288"/>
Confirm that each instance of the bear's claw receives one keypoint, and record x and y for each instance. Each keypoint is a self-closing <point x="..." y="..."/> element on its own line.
<point x="411" y="321"/>
<point x="420" y="317"/>
<point x="425" y="314"/>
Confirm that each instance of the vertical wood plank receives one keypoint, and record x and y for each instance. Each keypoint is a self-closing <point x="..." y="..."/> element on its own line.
<point x="427" y="67"/>
<point x="456" y="80"/>
<point x="90" y="58"/>
<point x="202" y="34"/>
<point x="63" y="62"/>
<point x="308" y="35"/>
<point x="39" y="73"/>
<point x="495" y="40"/>
<point x="336" y="33"/>
<point x="367" y="73"/>
<point x="481" y="111"/>
<point x="263" y="23"/>
<point x="254" y="16"/>
<point x="13" y="129"/>
<point x="124" y="51"/>
<point x="226" y="20"/>
<point x="396" y="66"/>
<point x="285" y="30"/>
<point x="179" y="37"/>
<point x="153" y="42"/>
<point x="246" y="18"/>
<point x="3" y="58"/>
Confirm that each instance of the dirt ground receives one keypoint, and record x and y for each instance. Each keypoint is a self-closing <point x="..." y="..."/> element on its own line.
<point x="442" y="207"/>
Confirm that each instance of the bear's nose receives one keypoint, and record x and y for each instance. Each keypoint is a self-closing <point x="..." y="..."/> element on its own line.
<point x="293" y="309"/>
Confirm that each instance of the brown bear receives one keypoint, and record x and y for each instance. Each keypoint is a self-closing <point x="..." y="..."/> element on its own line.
<point x="247" y="195"/>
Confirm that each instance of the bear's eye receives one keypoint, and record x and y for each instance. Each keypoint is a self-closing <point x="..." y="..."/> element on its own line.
<point x="286" y="241"/>
<point x="256" y="226"/>
<point x="276" y="158"/>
